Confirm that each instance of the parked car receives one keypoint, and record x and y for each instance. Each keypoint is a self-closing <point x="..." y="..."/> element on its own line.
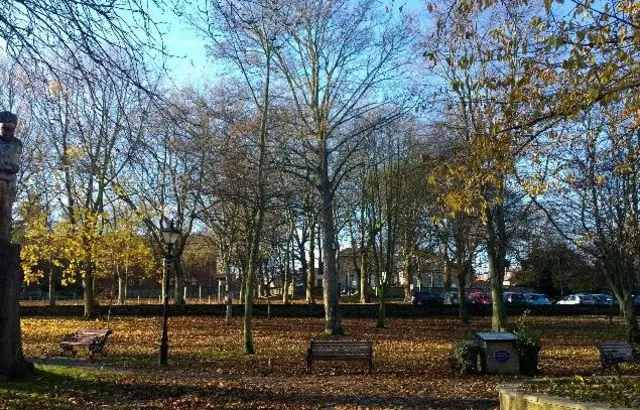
<point x="604" y="299"/>
<point x="514" y="298"/>
<point x="450" y="297"/>
<point x="479" y="298"/>
<point x="578" y="299"/>
<point x="427" y="298"/>
<point x="537" y="299"/>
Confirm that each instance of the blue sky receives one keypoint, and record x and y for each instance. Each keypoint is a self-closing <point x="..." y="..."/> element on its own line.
<point x="191" y="65"/>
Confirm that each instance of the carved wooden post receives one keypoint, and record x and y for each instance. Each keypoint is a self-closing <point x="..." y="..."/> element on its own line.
<point x="12" y="362"/>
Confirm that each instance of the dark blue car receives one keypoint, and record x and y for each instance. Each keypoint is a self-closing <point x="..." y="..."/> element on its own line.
<point x="427" y="298"/>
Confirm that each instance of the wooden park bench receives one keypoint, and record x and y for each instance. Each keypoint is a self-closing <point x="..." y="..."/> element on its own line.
<point x="94" y="339"/>
<point x="340" y="350"/>
<point x="614" y="353"/>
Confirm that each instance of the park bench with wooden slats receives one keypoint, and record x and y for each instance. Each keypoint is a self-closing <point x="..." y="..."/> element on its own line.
<point x="340" y="350"/>
<point x="614" y="353"/>
<point x="94" y="339"/>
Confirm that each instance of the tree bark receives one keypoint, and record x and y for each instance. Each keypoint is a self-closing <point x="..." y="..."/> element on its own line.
<point x="364" y="278"/>
<point x="631" y="321"/>
<point x="89" y="296"/>
<point x="311" y="274"/>
<point x="447" y="263"/>
<point x="122" y="286"/>
<point x="12" y="361"/>
<point x="463" y="310"/>
<point x="497" y="254"/>
<point x="381" y="321"/>
<point x="178" y="296"/>
<point x="333" y="325"/>
<point x="408" y="275"/>
<point x="227" y="291"/>
<point x="52" y="287"/>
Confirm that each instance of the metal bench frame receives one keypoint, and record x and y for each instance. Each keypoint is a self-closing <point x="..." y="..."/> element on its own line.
<point x="94" y="339"/>
<point x="330" y="350"/>
<point x="614" y="353"/>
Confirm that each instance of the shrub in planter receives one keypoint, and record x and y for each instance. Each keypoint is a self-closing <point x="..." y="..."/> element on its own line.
<point x="464" y="357"/>
<point x="528" y="345"/>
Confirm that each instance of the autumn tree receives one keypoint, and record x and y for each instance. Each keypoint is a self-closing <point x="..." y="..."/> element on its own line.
<point x="591" y="197"/>
<point x="492" y="106"/>
<point x="89" y="128"/>
<point x="336" y="60"/>
<point x="123" y="250"/>
<point x="162" y="181"/>
<point x="39" y="253"/>
<point x="246" y="35"/>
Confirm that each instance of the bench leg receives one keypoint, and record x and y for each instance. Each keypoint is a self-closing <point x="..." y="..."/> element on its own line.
<point x="308" y="366"/>
<point x="370" y="365"/>
<point x="67" y="351"/>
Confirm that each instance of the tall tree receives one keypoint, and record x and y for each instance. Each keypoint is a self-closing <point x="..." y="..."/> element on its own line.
<point x="336" y="61"/>
<point x="489" y="108"/>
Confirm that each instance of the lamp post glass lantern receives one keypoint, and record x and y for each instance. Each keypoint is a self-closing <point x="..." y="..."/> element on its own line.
<point x="170" y="236"/>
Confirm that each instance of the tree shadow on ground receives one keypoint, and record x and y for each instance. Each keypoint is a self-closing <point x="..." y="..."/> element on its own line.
<point x="71" y="388"/>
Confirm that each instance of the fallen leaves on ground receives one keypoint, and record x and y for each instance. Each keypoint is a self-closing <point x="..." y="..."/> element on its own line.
<point x="208" y="368"/>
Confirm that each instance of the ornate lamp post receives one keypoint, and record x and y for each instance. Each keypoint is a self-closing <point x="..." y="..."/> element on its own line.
<point x="169" y="236"/>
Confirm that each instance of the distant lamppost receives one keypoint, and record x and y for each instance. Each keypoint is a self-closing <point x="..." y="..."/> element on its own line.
<point x="169" y="236"/>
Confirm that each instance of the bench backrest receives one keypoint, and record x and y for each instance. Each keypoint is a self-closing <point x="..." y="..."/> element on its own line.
<point x="331" y="348"/>
<point x="622" y="350"/>
<point x="92" y="333"/>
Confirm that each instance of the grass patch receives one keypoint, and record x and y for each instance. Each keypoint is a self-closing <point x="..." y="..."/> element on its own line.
<point x="619" y="391"/>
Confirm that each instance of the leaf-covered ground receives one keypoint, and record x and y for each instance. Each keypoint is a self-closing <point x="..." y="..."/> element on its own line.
<point x="620" y="391"/>
<point x="208" y="369"/>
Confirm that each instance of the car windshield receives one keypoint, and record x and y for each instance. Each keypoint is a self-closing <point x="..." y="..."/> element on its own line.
<point x="586" y="297"/>
<point x="517" y="296"/>
<point x="536" y="296"/>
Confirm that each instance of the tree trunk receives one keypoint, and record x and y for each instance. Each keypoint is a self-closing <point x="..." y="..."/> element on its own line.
<point x="463" y="310"/>
<point x="122" y="290"/>
<point x="12" y="362"/>
<point x="122" y="286"/>
<point x="499" y="314"/>
<point x="630" y="321"/>
<point x="333" y="325"/>
<point x="247" y="332"/>
<point x="178" y="296"/>
<point x="304" y="266"/>
<point x="94" y="288"/>
<point x="52" y="287"/>
<point x="444" y="246"/>
<point x="285" y="285"/>
<point x="227" y="291"/>
<point x="381" y="321"/>
<point x="497" y="253"/>
<point x="408" y="276"/>
<point x="163" y="284"/>
<point x="364" y="277"/>
<point x="311" y="274"/>
<point x="89" y="297"/>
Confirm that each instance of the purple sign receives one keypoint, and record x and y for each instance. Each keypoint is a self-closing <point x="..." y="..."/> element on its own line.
<point x="502" y="356"/>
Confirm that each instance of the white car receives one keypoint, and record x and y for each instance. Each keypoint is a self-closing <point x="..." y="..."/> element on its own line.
<point x="537" y="299"/>
<point x="578" y="299"/>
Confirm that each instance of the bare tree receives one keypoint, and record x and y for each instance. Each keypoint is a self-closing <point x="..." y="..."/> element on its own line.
<point x="117" y="36"/>
<point x="336" y="60"/>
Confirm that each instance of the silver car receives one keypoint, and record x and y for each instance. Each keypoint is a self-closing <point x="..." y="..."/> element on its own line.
<point x="578" y="299"/>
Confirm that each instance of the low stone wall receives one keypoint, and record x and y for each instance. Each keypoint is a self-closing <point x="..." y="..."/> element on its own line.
<point x="514" y="397"/>
<point x="304" y="310"/>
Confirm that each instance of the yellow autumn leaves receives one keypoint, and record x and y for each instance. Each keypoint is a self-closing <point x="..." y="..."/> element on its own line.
<point x="92" y="241"/>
